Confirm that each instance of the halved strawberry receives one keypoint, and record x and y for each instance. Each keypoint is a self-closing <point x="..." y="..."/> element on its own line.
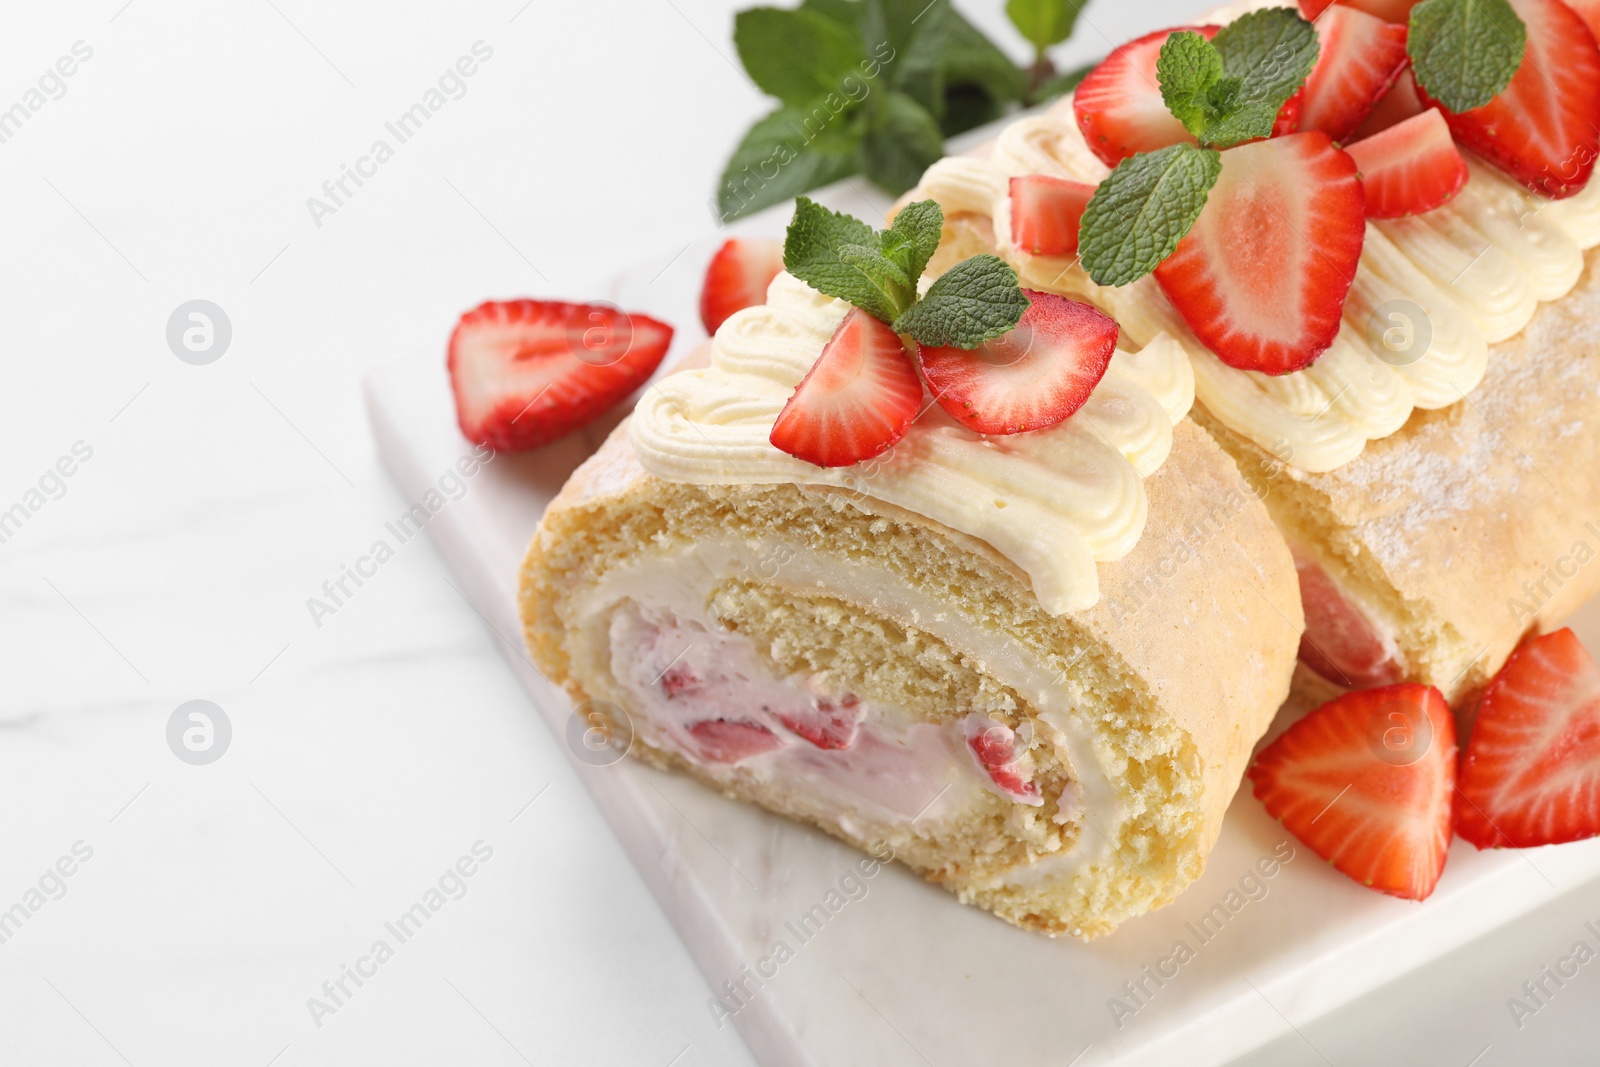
<point x="994" y="746"/>
<point x="1045" y="213"/>
<point x="1589" y="12"/>
<point x="1036" y="375"/>
<point x="737" y="278"/>
<point x="1409" y="168"/>
<point x="731" y="740"/>
<point x="1340" y="643"/>
<point x="1544" y="128"/>
<point x="856" y="401"/>
<point x="827" y="723"/>
<point x="1388" y="10"/>
<point x="1398" y="104"/>
<point x="1360" y="57"/>
<point x="1365" y="782"/>
<point x="1262" y="276"/>
<point x="525" y="372"/>
<point x="1119" y="106"/>
<point x="1531" y="775"/>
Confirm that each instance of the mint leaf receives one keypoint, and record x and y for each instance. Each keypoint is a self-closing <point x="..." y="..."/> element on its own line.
<point x="1188" y="68"/>
<point x="973" y="301"/>
<point x="1139" y="214"/>
<point x="912" y="35"/>
<point x="844" y="13"/>
<point x="783" y="155"/>
<point x="970" y="58"/>
<point x="1270" y="52"/>
<point x="795" y="55"/>
<point x="902" y="141"/>
<point x="1465" y="52"/>
<point x="914" y="236"/>
<point x="839" y="255"/>
<point x="1044" y="22"/>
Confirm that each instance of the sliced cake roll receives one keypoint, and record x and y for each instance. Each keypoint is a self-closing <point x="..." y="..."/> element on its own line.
<point x="1033" y="666"/>
<point x="1431" y="468"/>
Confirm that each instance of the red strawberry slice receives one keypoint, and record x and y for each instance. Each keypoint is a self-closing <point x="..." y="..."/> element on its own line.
<point x="1365" y="781"/>
<point x="1036" y="375"/>
<point x="994" y="745"/>
<point x="1544" y="128"/>
<point x="732" y="740"/>
<point x="827" y="724"/>
<point x="1589" y="12"/>
<point x="1387" y="10"/>
<point x="678" y="680"/>
<point x="1119" y="106"/>
<point x="1409" y="168"/>
<point x="1359" y="59"/>
<point x="526" y="372"/>
<point x="1398" y="104"/>
<point x="1045" y="213"/>
<point x="1262" y="277"/>
<point x="738" y="278"/>
<point x="856" y="402"/>
<point x="1531" y="775"/>
<point x="1340" y="643"/>
<point x="1288" y="120"/>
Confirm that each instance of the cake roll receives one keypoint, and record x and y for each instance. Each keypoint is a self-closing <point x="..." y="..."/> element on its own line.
<point x="1032" y="666"/>
<point x="1433" y="470"/>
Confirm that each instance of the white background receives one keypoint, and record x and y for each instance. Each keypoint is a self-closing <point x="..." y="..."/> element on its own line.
<point x="368" y="754"/>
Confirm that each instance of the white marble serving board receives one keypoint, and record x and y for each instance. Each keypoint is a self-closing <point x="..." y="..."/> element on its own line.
<point x="901" y="973"/>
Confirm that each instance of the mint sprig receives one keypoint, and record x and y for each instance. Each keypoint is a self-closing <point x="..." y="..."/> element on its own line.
<point x="877" y="271"/>
<point x="1225" y="91"/>
<point x="1140" y="213"/>
<point x="1229" y="89"/>
<point x="875" y="86"/>
<point x="1465" y="52"/>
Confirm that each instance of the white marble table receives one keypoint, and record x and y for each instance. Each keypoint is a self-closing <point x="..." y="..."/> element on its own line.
<point x="369" y="754"/>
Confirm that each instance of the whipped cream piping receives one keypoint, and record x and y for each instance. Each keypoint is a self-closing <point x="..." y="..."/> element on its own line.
<point x="1477" y="268"/>
<point x="1054" y="502"/>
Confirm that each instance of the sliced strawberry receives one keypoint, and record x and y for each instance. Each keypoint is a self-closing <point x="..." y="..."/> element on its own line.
<point x="1388" y="10"/>
<point x="1045" y="213"/>
<point x="1288" y="120"/>
<point x="1030" y="378"/>
<point x="1544" y="128"/>
<point x="1409" y="168"/>
<point x="855" y="402"/>
<point x="1340" y="643"/>
<point x="526" y="372"/>
<point x="1589" y="12"/>
<point x="1262" y="276"/>
<point x="1398" y="104"/>
<point x="678" y="680"/>
<point x="738" y="278"/>
<point x="1119" y="106"/>
<point x="1365" y="781"/>
<point x="1359" y="58"/>
<point x="731" y="740"/>
<point x="827" y="723"/>
<point x="994" y="746"/>
<point x="1531" y="775"/>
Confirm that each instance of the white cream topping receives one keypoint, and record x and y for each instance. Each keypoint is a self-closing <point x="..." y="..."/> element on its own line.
<point x="899" y="778"/>
<point x="1054" y="502"/>
<point x="1466" y="275"/>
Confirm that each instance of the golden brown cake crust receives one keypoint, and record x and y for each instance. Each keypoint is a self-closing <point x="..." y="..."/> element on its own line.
<point x="1483" y="518"/>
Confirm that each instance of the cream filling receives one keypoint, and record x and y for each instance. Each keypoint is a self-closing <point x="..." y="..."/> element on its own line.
<point x="1054" y="502"/>
<point x="1432" y="292"/>
<point x="907" y="775"/>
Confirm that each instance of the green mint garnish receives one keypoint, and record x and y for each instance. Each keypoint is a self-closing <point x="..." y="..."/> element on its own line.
<point x="1465" y="52"/>
<point x="877" y="271"/>
<point x="1140" y="213"/>
<point x="973" y="301"/>
<point x="1229" y="89"/>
